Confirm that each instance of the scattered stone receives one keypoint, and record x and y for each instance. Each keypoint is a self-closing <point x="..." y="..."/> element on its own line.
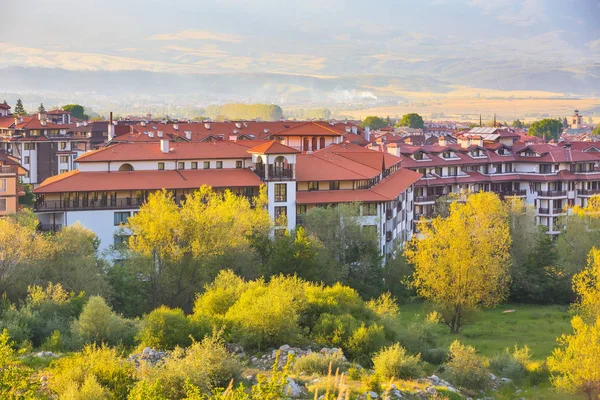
<point x="371" y="395"/>
<point x="148" y="355"/>
<point x="505" y="380"/>
<point x="293" y="389"/>
<point x="46" y="354"/>
<point x="431" y="390"/>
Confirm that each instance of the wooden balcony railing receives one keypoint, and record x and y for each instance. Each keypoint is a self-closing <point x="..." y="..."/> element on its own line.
<point x="552" y="193"/>
<point x="100" y="204"/>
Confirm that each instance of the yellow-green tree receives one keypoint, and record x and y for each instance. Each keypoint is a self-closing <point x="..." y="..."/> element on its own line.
<point x="575" y="365"/>
<point x="586" y="284"/>
<point x="462" y="262"/>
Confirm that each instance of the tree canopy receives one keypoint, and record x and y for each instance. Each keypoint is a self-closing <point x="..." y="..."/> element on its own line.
<point x="374" y="122"/>
<point x="462" y="261"/>
<point x="76" y="111"/>
<point x="19" y="109"/>
<point x="517" y="124"/>
<point x="412" y="120"/>
<point x="546" y="128"/>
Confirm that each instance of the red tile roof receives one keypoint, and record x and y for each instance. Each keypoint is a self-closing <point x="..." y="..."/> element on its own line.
<point x="272" y="147"/>
<point x="4" y="106"/>
<point x="58" y="112"/>
<point x="76" y="181"/>
<point x="309" y="129"/>
<point x="180" y="151"/>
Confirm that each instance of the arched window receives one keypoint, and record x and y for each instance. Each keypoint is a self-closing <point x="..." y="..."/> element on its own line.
<point x="322" y="143"/>
<point x="314" y="143"/>
<point x="305" y="144"/>
<point x="126" y="167"/>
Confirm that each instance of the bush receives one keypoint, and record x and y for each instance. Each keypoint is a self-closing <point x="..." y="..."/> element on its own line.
<point x="98" y="323"/>
<point x="420" y="337"/>
<point x="318" y="363"/>
<point x="394" y="362"/>
<point x="334" y="300"/>
<point x="92" y="367"/>
<point x="465" y="368"/>
<point x="165" y="328"/>
<point x="54" y="343"/>
<point x="334" y="330"/>
<point x="267" y="315"/>
<point x="15" y="380"/>
<point x="207" y="365"/>
<point x="219" y="296"/>
<point x="364" y="342"/>
<point x="517" y="366"/>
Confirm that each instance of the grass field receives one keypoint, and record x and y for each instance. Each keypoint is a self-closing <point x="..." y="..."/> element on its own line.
<point x="491" y="331"/>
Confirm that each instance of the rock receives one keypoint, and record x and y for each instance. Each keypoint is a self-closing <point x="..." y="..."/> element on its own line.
<point x="284" y="347"/>
<point x="431" y="390"/>
<point x="434" y="378"/>
<point x="505" y="380"/>
<point x="397" y="394"/>
<point x="493" y="377"/>
<point x="392" y="387"/>
<point x="250" y="378"/>
<point x="371" y="395"/>
<point x="293" y="389"/>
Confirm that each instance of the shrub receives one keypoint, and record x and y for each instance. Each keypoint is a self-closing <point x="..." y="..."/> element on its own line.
<point x="206" y="364"/>
<point x="267" y="315"/>
<point x="54" y="343"/>
<point x="334" y="330"/>
<point x="98" y="323"/>
<point x="89" y="390"/>
<point x="318" y="363"/>
<point x="165" y="328"/>
<point x="74" y="374"/>
<point x="219" y="296"/>
<point x="15" y="380"/>
<point x="334" y="300"/>
<point x="465" y="368"/>
<point x="364" y="342"/>
<point x="394" y="362"/>
<point x="420" y="337"/>
<point x="517" y="366"/>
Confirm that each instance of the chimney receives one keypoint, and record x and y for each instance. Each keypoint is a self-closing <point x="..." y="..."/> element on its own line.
<point x="442" y="140"/>
<point x="238" y="125"/>
<point x="111" y="128"/>
<point x="188" y="135"/>
<point x="354" y="129"/>
<point x="368" y="133"/>
<point x="164" y="146"/>
<point x="150" y="134"/>
<point x="159" y="134"/>
<point x="176" y="127"/>
<point x="207" y="126"/>
<point x="43" y="122"/>
<point x="233" y="138"/>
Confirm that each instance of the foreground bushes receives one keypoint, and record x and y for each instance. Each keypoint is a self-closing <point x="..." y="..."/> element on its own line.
<point x="318" y="363"/>
<point x="465" y="368"/>
<point x="98" y="323"/>
<point x="165" y="328"/>
<point x="395" y="362"/>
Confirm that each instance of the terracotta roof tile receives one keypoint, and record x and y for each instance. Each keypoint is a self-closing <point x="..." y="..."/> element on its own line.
<point x="272" y="147"/>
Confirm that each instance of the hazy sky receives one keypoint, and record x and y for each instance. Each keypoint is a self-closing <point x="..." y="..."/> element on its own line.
<point x="319" y="37"/>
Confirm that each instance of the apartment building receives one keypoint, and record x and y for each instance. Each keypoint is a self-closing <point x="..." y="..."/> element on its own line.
<point x="10" y="188"/>
<point x="547" y="176"/>
<point x="111" y="183"/>
<point x="42" y="147"/>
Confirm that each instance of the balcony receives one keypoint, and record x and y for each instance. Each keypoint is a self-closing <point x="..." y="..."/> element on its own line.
<point x="388" y="214"/>
<point x="588" y="192"/>
<point x="550" y="211"/>
<point x="49" y="227"/>
<point x="552" y="193"/>
<point x="8" y="170"/>
<point x="82" y="205"/>
<point x="507" y="193"/>
<point x="276" y="173"/>
<point x="427" y="199"/>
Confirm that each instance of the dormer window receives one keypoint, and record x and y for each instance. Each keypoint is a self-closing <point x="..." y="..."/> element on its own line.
<point x="449" y="154"/>
<point x="529" y="153"/>
<point x="418" y="156"/>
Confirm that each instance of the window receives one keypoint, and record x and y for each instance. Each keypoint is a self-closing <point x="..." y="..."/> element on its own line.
<point x="180" y="165"/>
<point x="2" y="204"/>
<point x="29" y="146"/>
<point x="161" y="166"/>
<point x="452" y="171"/>
<point x="27" y="160"/>
<point x="219" y="164"/>
<point x="545" y="169"/>
<point x="280" y="212"/>
<point x="62" y="171"/>
<point x="2" y="185"/>
<point x="206" y="165"/>
<point x="498" y="168"/>
<point x="64" y="159"/>
<point x="121" y="217"/>
<point x="194" y="164"/>
<point x="238" y="164"/>
<point x="63" y="145"/>
<point x="334" y="185"/>
<point x="301" y="209"/>
<point x="369" y="209"/>
<point x="313" y="186"/>
<point x="280" y="192"/>
<point x="120" y="240"/>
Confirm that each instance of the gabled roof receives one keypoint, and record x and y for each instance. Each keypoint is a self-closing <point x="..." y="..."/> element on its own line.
<point x="58" y="112"/>
<point x="76" y="181"/>
<point x="35" y="123"/>
<point x="4" y="106"/>
<point x="309" y="129"/>
<point x="272" y="147"/>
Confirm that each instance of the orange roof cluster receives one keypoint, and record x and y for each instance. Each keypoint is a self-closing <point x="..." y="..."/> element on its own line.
<point x="76" y="181"/>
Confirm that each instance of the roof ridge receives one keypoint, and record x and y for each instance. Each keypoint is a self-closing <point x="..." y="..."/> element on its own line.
<point x="350" y="169"/>
<point x="57" y="178"/>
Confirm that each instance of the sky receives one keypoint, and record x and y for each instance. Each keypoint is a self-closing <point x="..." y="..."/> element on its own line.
<point x="436" y="39"/>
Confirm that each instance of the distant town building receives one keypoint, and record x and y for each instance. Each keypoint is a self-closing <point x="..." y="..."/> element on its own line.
<point x="10" y="187"/>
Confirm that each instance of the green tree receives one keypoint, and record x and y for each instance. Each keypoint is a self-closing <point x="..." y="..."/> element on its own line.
<point x="462" y="262"/>
<point x="546" y="128"/>
<point x="412" y="120"/>
<point x="535" y="275"/>
<point x="16" y="381"/>
<point x="240" y="111"/>
<point x="565" y="123"/>
<point x="76" y="111"/>
<point x="575" y="365"/>
<point x="517" y="124"/>
<point x="19" y="109"/>
<point x="354" y="251"/>
<point x="374" y="122"/>
<point x="596" y="131"/>
<point x="586" y="284"/>
<point x="41" y="108"/>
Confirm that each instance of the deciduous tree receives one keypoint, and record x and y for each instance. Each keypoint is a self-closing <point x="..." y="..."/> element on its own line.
<point x="575" y="365"/>
<point x="586" y="284"/>
<point x="374" y="122"/>
<point x="546" y="128"/>
<point x="76" y="111"/>
<point x="412" y="120"/>
<point x="462" y="262"/>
